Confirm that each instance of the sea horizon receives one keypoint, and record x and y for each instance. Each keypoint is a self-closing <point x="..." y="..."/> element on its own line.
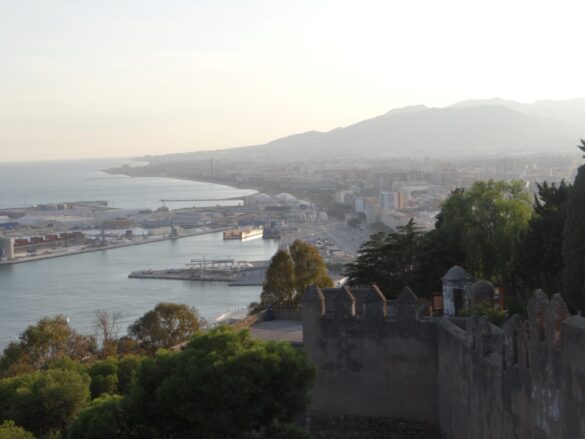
<point x="25" y="183"/>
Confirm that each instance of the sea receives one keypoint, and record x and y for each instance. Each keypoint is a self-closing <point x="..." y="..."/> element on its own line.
<point x="79" y="285"/>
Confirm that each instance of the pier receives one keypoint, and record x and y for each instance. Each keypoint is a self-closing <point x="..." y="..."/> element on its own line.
<point x="234" y="272"/>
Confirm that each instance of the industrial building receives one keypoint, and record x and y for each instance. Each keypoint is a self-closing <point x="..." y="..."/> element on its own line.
<point x="6" y="249"/>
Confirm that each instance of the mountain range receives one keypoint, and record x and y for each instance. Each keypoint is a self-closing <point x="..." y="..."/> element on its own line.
<point x="473" y="127"/>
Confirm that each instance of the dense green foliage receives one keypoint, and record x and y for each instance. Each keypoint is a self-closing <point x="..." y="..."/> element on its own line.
<point x="497" y="316"/>
<point x="478" y="228"/>
<point x="279" y="286"/>
<point x="167" y="325"/>
<point x="45" y="402"/>
<point x="127" y="369"/>
<point x="538" y="259"/>
<point x="388" y="260"/>
<point x="46" y="341"/>
<point x="8" y="430"/>
<point x="309" y="267"/>
<point x="290" y="273"/>
<point x="574" y="243"/>
<point x="486" y="221"/>
<point x="223" y="384"/>
<point x="113" y="375"/>
<point x="104" y="377"/>
<point x="102" y="418"/>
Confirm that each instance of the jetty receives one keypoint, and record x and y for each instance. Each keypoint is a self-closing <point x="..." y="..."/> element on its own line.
<point x="231" y="271"/>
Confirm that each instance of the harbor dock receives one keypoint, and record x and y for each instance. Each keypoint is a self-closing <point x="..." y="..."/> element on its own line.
<point x="235" y="273"/>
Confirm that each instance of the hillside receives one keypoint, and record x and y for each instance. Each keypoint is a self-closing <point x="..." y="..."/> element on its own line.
<point x="465" y="128"/>
<point x="421" y="130"/>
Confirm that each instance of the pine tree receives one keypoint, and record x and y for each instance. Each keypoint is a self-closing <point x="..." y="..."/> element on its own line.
<point x="388" y="260"/>
<point x="574" y="242"/>
<point x="538" y="259"/>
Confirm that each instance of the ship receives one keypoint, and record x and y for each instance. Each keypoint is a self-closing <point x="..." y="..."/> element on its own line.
<point x="243" y="233"/>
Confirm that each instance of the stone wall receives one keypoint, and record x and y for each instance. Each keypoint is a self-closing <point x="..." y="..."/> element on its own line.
<point x="286" y="314"/>
<point x="468" y="377"/>
<point x="327" y="426"/>
<point x="526" y="380"/>
<point x="368" y="364"/>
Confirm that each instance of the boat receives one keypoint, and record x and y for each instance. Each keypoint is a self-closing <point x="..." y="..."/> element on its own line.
<point x="243" y="233"/>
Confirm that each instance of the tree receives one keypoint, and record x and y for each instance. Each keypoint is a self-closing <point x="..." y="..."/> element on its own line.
<point x="167" y="325"/>
<point x="437" y="253"/>
<point x="39" y="344"/>
<point x="107" y="329"/>
<point x="574" y="242"/>
<point x="8" y="430"/>
<point x="279" y="286"/>
<point x="309" y="268"/>
<point x="104" y="377"/>
<point x="113" y="375"/>
<point x="223" y="384"/>
<point x="102" y="418"/>
<point x="538" y="260"/>
<point x="487" y="221"/>
<point x="45" y="402"/>
<point x="128" y="366"/>
<point x="388" y="260"/>
<point x="290" y="273"/>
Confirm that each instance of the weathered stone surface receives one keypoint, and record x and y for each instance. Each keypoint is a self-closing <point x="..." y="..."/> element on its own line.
<point x="557" y="314"/>
<point x="327" y="426"/>
<point x="313" y="294"/>
<point x="406" y="305"/>
<point x="379" y="378"/>
<point x="344" y="304"/>
<point x="537" y="310"/>
<point x="375" y="305"/>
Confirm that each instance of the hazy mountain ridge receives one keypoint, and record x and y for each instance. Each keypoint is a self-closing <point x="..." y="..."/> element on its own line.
<point x="482" y="128"/>
<point x="473" y="126"/>
<point x="568" y="110"/>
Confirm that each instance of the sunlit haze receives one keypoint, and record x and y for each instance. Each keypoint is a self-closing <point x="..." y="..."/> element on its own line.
<point x="122" y="78"/>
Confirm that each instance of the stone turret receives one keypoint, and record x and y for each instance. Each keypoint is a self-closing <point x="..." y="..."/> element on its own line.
<point x="456" y="284"/>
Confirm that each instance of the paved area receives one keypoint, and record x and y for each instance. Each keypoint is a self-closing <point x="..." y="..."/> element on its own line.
<point x="279" y="330"/>
<point x="346" y="238"/>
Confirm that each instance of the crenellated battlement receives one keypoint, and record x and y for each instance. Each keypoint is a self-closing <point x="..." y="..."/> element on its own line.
<point x="367" y="306"/>
<point x="356" y="337"/>
<point x="386" y="358"/>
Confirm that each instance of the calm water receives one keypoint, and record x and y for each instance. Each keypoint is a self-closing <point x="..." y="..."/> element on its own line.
<point x="79" y="285"/>
<point x="25" y="184"/>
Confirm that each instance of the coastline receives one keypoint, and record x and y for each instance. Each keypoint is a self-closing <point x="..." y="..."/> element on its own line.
<point x="198" y="179"/>
<point x="110" y="247"/>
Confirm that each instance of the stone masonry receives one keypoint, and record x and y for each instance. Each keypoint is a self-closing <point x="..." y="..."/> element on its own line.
<point x="464" y="378"/>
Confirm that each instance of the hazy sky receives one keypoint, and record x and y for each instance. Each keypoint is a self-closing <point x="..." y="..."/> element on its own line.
<point x="113" y="78"/>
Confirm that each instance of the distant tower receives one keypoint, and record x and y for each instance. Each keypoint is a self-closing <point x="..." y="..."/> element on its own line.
<point x="211" y="167"/>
